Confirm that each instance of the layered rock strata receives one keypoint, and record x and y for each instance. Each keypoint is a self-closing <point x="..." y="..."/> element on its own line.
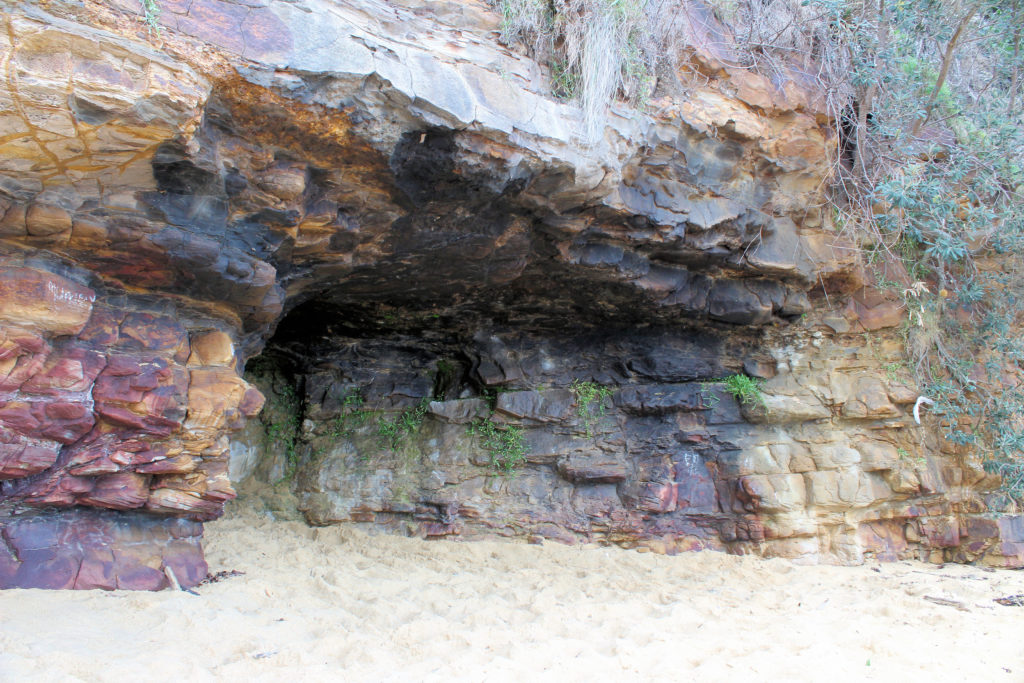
<point x="387" y="195"/>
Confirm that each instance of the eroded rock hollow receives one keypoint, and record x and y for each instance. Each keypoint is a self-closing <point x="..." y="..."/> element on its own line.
<point x="465" y="318"/>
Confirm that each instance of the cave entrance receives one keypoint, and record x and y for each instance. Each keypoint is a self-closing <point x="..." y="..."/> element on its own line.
<point x="479" y="417"/>
<point x="474" y="367"/>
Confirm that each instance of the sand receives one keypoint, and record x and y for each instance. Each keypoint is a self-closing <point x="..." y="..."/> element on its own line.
<point x="336" y="604"/>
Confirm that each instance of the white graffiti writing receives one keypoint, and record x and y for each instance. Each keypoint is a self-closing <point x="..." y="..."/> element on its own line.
<point x="61" y="295"/>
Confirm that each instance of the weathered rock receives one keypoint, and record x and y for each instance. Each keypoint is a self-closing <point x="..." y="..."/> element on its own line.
<point x="423" y="240"/>
<point x="89" y="549"/>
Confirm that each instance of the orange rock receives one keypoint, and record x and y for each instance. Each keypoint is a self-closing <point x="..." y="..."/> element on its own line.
<point x="44" y="301"/>
<point x="12" y="223"/>
<point x="212" y="348"/>
<point x="214" y="395"/>
<point x="877" y="317"/>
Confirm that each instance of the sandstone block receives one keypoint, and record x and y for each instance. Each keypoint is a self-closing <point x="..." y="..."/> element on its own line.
<point x="212" y="348"/>
<point x="44" y="301"/>
<point x="88" y="549"/>
<point x="660" y="399"/>
<point x="121" y="491"/>
<point x="597" y="468"/>
<point x="776" y="492"/>
<point x="877" y="455"/>
<point x="20" y="457"/>
<point x="539" y="406"/>
<point x="787" y="408"/>
<point x="731" y="302"/>
<point x="877" y="317"/>
<point x="42" y="220"/>
<point x="12" y="222"/>
<point x="869" y="399"/>
<point x="834" y="456"/>
<point x="287" y="182"/>
<point x="213" y="395"/>
<point x="884" y="539"/>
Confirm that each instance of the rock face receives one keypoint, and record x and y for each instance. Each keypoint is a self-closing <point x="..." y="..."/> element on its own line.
<point x="431" y="270"/>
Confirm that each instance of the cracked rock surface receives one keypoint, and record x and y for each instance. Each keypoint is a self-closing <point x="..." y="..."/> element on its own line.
<point x="377" y="206"/>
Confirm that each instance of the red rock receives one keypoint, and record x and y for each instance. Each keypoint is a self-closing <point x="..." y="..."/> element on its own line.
<point x="23" y="362"/>
<point x="18" y="416"/>
<point x="103" y="328"/>
<point x="53" y="488"/>
<point x="883" y="538"/>
<point x="72" y="371"/>
<point x="66" y="411"/>
<point x="88" y="549"/>
<point x="121" y="491"/>
<point x="66" y="430"/>
<point x="22" y="459"/>
<point x="146" y="331"/>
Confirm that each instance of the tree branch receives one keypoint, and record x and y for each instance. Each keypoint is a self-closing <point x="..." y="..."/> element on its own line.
<point x="947" y="60"/>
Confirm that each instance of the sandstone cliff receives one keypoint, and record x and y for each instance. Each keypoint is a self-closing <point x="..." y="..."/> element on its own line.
<point x="380" y="207"/>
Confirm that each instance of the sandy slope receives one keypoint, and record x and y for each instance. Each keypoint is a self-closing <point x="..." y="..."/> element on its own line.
<point x="333" y="604"/>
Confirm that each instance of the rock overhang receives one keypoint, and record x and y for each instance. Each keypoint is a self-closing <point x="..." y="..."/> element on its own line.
<point x="352" y="182"/>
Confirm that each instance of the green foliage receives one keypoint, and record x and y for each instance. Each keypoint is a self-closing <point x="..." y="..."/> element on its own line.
<point x="393" y="433"/>
<point x="281" y="420"/>
<point x="931" y="94"/>
<point x="505" y="444"/>
<point x="746" y="390"/>
<point x="904" y="455"/>
<point x="590" y="402"/>
<point x="708" y="398"/>
<point x="353" y="416"/>
<point x="565" y="83"/>
<point x="152" y="15"/>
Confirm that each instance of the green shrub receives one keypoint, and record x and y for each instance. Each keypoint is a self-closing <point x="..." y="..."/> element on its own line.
<point x="393" y="433"/>
<point x="353" y="416"/>
<point x="152" y="15"/>
<point x="948" y="205"/>
<point x="505" y="444"/>
<point x="590" y="402"/>
<point x="746" y="390"/>
<point x="281" y="421"/>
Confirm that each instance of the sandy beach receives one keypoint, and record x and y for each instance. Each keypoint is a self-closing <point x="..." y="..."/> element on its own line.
<point x="336" y="604"/>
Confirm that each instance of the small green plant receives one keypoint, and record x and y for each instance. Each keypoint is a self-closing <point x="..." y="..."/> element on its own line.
<point x="590" y="402"/>
<point x="894" y="370"/>
<point x="152" y="15"/>
<point x="506" y="446"/>
<point x="919" y="461"/>
<point x="393" y="433"/>
<point x="565" y="83"/>
<point x="708" y="398"/>
<point x="281" y="427"/>
<point x="352" y="417"/>
<point x="747" y="390"/>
